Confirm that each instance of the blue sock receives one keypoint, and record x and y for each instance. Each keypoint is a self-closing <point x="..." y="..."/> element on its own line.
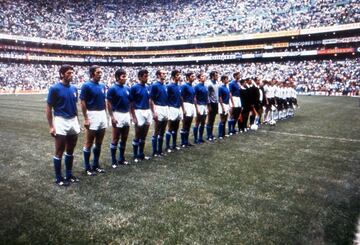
<point x="141" y="148"/>
<point x="154" y="144"/>
<point x="211" y="132"/>
<point x="208" y="132"/>
<point x="230" y="125"/>
<point x="86" y="155"/>
<point x="160" y="144"/>
<point x="96" y="152"/>
<point x="69" y="159"/>
<point x="223" y="129"/>
<point x="186" y="137"/>
<point x="135" y="144"/>
<point x="167" y="139"/>
<point x="57" y="167"/>
<point x="113" y="153"/>
<point x="201" y="133"/>
<point x="174" y="136"/>
<point x="183" y="140"/>
<point x="122" y="147"/>
<point x="195" y="132"/>
<point x="220" y="130"/>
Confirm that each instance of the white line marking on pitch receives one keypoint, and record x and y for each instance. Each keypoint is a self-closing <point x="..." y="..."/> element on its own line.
<point x="311" y="136"/>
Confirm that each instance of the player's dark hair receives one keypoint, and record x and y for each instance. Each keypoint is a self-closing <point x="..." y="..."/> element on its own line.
<point x="119" y="73"/>
<point x="236" y="73"/>
<point x="212" y="74"/>
<point x="92" y="70"/>
<point x="242" y="81"/>
<point x="63" y="69"/>
<point x="158" y="73"/>
<point x="174" y="73"/>
<point x="199" y="75"/>
<point x="188" y="74"/>
<point x="223" y="77"/>
<point x="141" y="73"/>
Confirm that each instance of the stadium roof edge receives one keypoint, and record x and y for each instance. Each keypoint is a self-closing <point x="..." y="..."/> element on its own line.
<point x="200" y="40"/>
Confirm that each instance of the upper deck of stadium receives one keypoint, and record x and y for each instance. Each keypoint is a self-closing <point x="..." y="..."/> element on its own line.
<point x="161" y="20"/>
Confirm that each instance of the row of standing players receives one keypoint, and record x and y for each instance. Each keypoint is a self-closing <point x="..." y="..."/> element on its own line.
<point x="246" y="102"/>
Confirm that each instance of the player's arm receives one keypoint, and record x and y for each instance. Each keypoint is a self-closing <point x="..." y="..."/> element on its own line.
<point x="153" y="93"/>
<point x="111" y="114"/>
<point x="221" y="102"/>
<point x="182" y="102"/>
<point x="84" y="112"/>
<point x="196" y="105"/>
<point x="152" y="108"/>
<point x="49" y="117"/>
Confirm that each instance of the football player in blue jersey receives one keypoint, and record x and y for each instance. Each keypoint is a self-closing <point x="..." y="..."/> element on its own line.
<point x="213" y="88"/>
<point x="118" y="105"/>
<point x="93" y="107"/>
<point x="188" y="107"/>
<point x="201" y="105"/>
<point x="159" y="107"/>
<point x="224" y="97"/>
<point x="235" y="102"/>
<point x="64" y="126"/>
<point x="141" y="114"/>
<point x="175" y="115"/>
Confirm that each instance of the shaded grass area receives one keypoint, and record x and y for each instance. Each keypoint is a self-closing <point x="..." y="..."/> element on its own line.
<point x="260" y="187"/>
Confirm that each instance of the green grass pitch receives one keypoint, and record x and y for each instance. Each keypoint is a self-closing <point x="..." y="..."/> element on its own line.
<point x="295" y="183"/>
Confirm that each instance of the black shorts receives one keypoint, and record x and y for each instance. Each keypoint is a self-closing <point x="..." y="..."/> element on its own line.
<point x="214" y="108"/>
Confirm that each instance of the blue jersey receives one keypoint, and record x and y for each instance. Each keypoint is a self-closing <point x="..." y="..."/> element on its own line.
<point x="201" y="94"/>
<point x="140" y="96"/>
<point x="234" y="88"/>
<point x="188" y="93"/>
<point x="63" y="99"/>
<point x="119" y="97"/>
<point x="158" y="94"/>
<point x="224" y="94"/>
<point x="93" y="93"/>
<point x="174" y="95"/>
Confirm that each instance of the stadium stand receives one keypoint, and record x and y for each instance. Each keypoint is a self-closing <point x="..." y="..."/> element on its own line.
<point x="322" y="75"/>
<point x="150" y="20"/>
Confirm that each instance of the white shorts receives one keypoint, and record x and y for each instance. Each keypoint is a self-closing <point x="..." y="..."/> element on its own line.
<point x="202" y="109"/>
<point x="97" y="120"/>
<point x="64" y="126"/>
<point x="162" y="112"/>
<point x="122" y="118"/>
<point x="143" y="117"/>
<point x="175" y="114"/>
<point x="226" y="108"/>
<point x="190" y="109"/>
<point x="237" y="102"/>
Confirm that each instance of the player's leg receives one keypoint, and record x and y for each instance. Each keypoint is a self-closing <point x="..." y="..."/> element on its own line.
<point x="113" y="145"/>
<point x="201" y="129"/>
<point x="124" y="132"/>
<point x="144" y="131"/>
<point x="196" y="127"/>
<point x="154" y="138"/>
<point x="161" y="136"/>
<point x="210" y="123"/>
<point x="135" y="142"/>
<point x="99" y="136"/>
<point x="170" y="128"/>
<point x="176" y="125"/>
<point x="89" y="140"/>
<point x="71" y="141"/>
<point x="60" y="143"/>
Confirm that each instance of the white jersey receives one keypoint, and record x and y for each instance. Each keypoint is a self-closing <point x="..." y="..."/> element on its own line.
<point x="269" y="91"/>
<point x="277" y="91"/>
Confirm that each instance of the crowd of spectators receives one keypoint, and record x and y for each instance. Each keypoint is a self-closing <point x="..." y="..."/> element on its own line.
<point x="158" y="20"/>
<point x="324" y="75"/>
